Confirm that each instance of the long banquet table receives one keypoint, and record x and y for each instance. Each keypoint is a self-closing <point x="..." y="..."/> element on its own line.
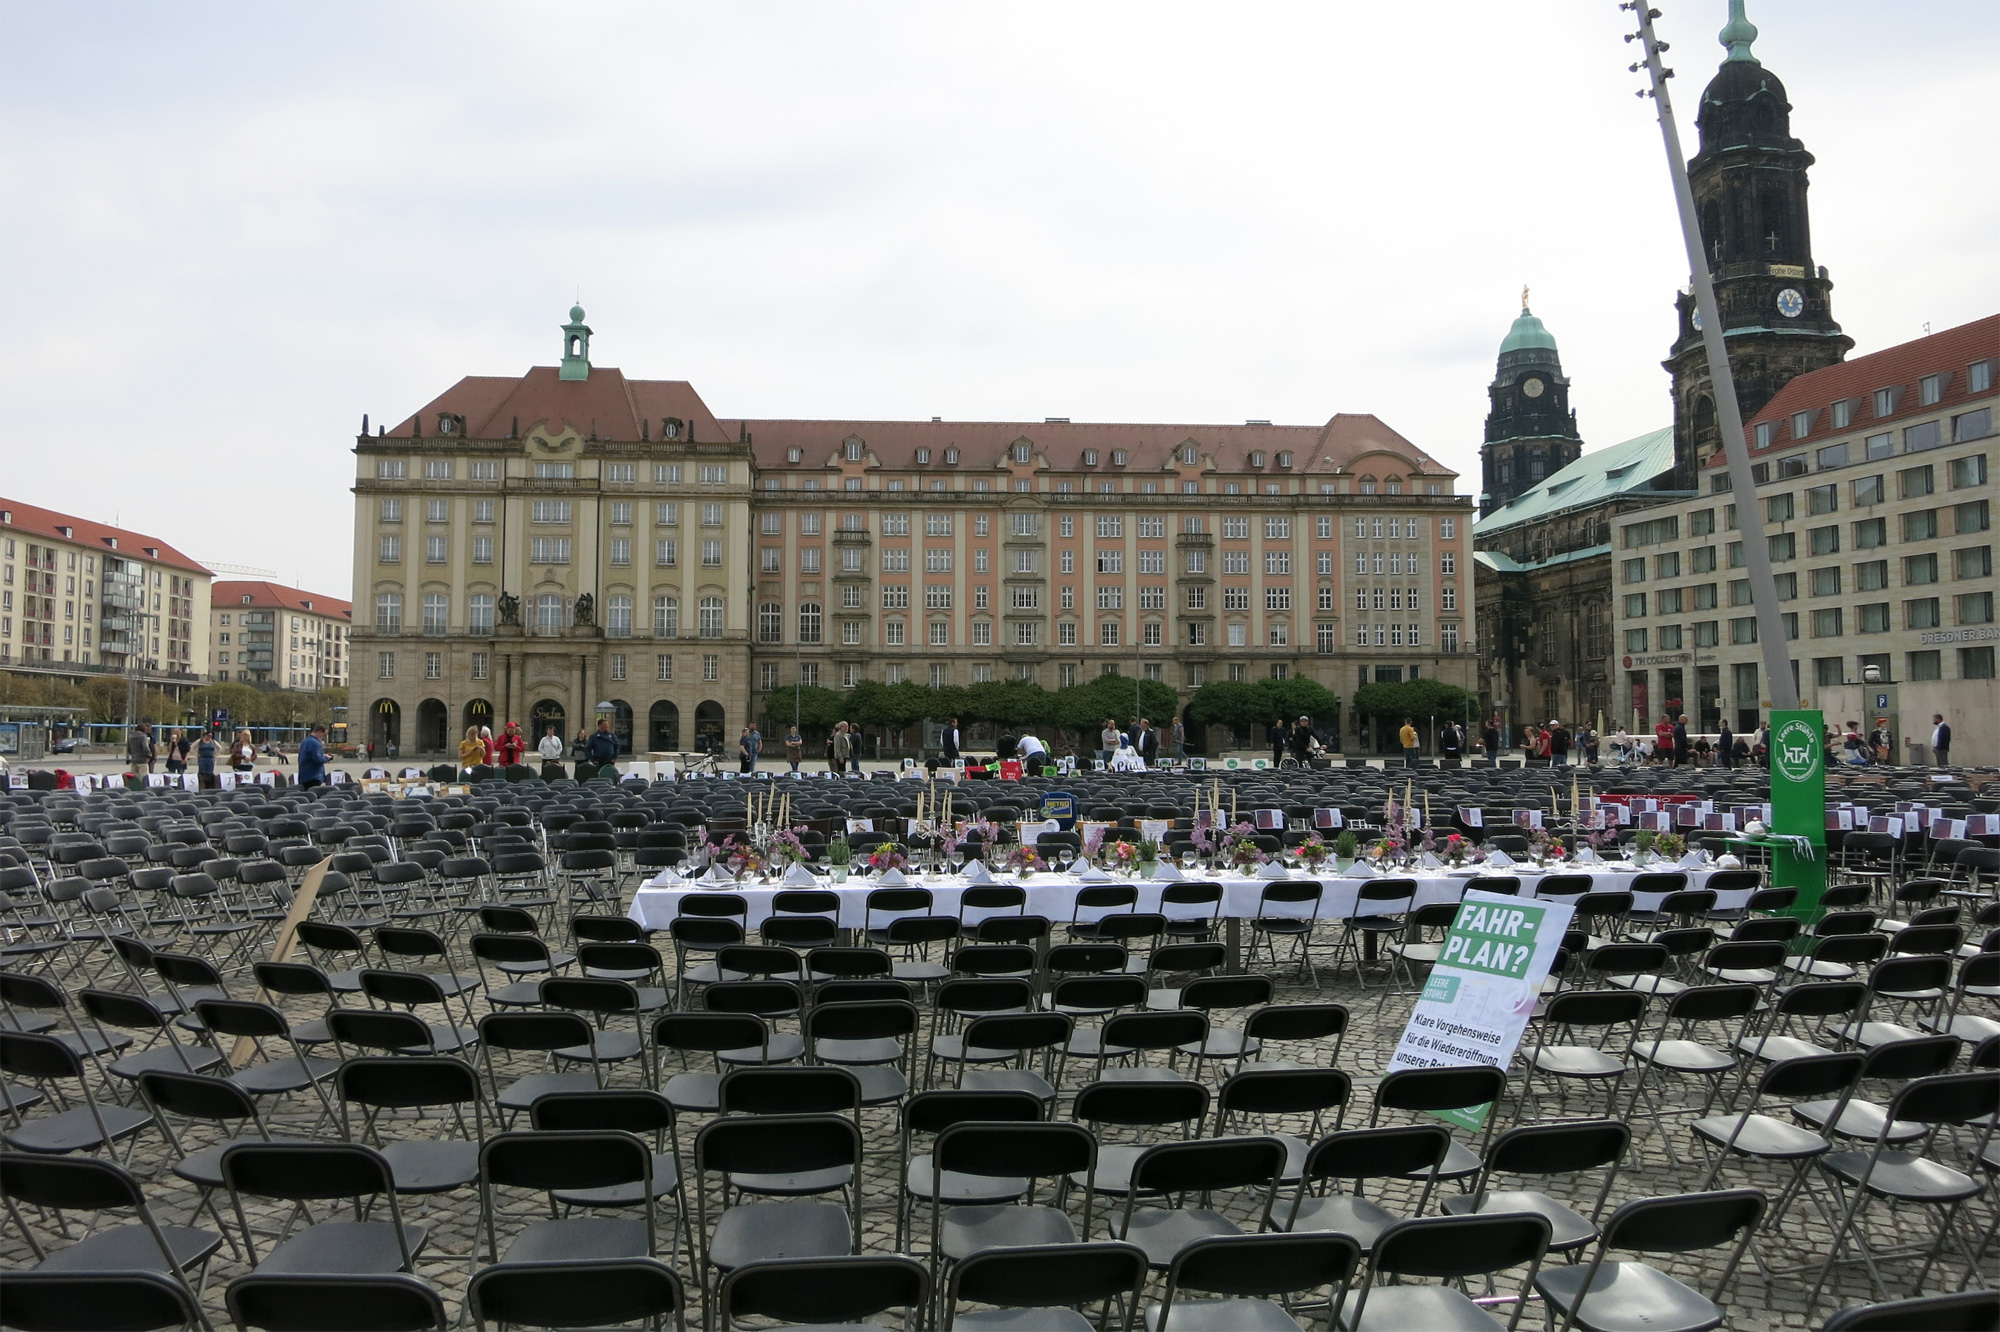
<point x="1053" y="895"/>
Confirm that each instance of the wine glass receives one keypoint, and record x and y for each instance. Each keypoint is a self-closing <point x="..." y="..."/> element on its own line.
<point x="1065" y="857"/>
<point x="1188" y="858"/>
<point x="957" y="858"/>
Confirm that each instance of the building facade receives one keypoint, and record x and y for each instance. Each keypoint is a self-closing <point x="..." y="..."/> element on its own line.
<point x="266" y="633"/>
<point x="1873" y="492"/>
<point x="572" y="541"/>
<point x="79" y="597"/>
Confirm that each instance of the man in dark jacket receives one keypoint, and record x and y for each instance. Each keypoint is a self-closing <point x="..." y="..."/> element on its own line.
<point x="602" y="748"/>
<point x="1278" y="736"/>
<point x="1681" y="741"/>
<point x="312" y="757"/>
<point x="948" y="741"/>
<point x="1559" y="743"/>
<point x="1725" y="745"/>
<point x="1146" y="741"/>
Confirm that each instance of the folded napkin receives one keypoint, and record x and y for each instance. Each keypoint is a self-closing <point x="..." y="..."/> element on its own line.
<point x="715" y="875"/>
<point x="976" y="872"/>
<point x="1429" y="862"/>
<point x="1271" y="869"/>
<point x="1693" y="860"/>
<point x="1167" y="871"/>
<point x="667" y="878"/>
<point x="800" y="875"/>
<point x="892" y="879"/>
<point x="1499" y="859"/>
<point x="1586" y="856"/>
<point x="1094" y="874"/>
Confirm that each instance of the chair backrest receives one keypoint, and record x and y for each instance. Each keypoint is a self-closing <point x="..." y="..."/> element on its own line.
<point x="709" y="1031"/>
<point x="1685" y="1222"/>
<point x="192" y="1096"/>
<point x="1048" y="1276"/>
<point x="81" y="1301"/>
<point x="1283" y="1091"/>
<point x="595" y="1292"/>
<point x="810" y="1090"/>
<point x="1028" y="1150"/>
<point x="1262" y="1266"/>
<point x="1298" y="1022"/>
<point x="409" y="1081"/>
<point x="1211" y="992"/>
<point x="1964" y="1311"/>
<point x="825" y="1290"/>
<point x="935" y="1111"/>
<point x="778" y="1144"/>
<point x="867" y="1020"/>
<point x="1810" y="1076"/>
<point x="306" y="1171"/>
<point x="1161" y="1030"/>
<point x="1018" y="1031"/>
<point x="1204" y="1164"/>
<point x="1433" y="1089"/>
<point x="533" y="1031"/>
<point x="570" y="1159"/>
<point x="625" y="1109"/>
<point x="1446" y="1247"/>
<point x="1950" y="1098"/>
<point x="1378" y="1153"/>
<point x="1141" y="1104"/>
<point x="378" y="1029"/>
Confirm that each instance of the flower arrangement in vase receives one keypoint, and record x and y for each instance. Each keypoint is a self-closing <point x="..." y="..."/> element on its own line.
<point x="1244" y="853"/>
<point x="1670" y="845"/>
<point x="1121" y="856"/>
<point x="1025" y="860"/>
<point x="737" y="854"/>
<point x="1149" y="856"/>
<point x="1643" y="842"/>
<point x="887" y="856"/>
<point x="1455" y="850"/>
<point x="1313" y="851"/>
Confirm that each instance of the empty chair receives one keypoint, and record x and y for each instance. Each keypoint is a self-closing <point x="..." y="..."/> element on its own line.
<point x="58" y="1301"/>
<point x="1606" y="1295"/>
<point x="1348" y="1160"/>
<point x="318" y="1301"/>
<point x="1443" y="1248"/>
<point x="1549" y="1149"/>
<point x="1019" y="1154"/>
<point x="70" y="1184"/>
<point x="1966" y="1311"/>
<point x="1035" y="1286"/>
<point x="1203" y="1166"/>
<point x="791" y="1228"/>
<point x="85" y="1127"/>
<point x="551" y="1161"/>
<point x="842" y="1290"/>
<point x="583" y="1292"/>
<point x="1248" y="1271"/>
<point x="305" y="1172"/>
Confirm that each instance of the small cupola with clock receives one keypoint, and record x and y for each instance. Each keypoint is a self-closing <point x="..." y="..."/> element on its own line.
<point x="1530" y="429"/>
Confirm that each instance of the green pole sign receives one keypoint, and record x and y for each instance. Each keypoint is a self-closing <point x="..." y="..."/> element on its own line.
<point x="1798" y="806"/>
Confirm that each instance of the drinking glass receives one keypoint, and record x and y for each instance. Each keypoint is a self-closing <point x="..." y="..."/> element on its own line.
<point x="1188" y="858"/>
<point x="1065" y="857"/>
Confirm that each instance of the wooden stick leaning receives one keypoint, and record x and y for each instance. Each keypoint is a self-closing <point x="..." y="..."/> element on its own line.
<point x="281" y="951"/>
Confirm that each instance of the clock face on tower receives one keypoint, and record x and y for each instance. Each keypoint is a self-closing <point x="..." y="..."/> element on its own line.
<point x="1532" y="387"/>
<point x="1790" y="304"/>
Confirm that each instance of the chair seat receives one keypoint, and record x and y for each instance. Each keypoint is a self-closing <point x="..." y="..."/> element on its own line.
<point x="952" y="1048"/>
<point x="964" y="1231"/>
<point x="1402" y="1308"/>
<point x="1779" y="1047"/>
<point x="342" y="1246"/>
<point x="1868" y="1035"/>
<point x="605" y="1047"/>
<point x="1088" y="1043"/>
<point x="1460" y="1162"/>
<point x="1903" y="1176"/>
<point x="1567" y="1229"/>
<point x="1219" y="1316"/>
<point x="1860" y="1119"/>
<point x="1007" y="1079"/>
<point x="205" y="1166"/>
<point x="168" y="1059"/>
<point x="1760" y="1136"/>
<point x="784" y="1047"/>
<point x="882" y="1084"/>
<point x="957" y="1188"/>
<point x="797" y="1184"/>
<point x="1684" y="1056"/>
<point x="1018" y="1320"/>
<point x="1627" y="1297"/>
<point x="870" y="1050"/>
<point x="519" y="994"/>
<point x="432" y="1167"/>
<point x="1223" y="1043"/>
<point x="284" y="1075"/>
<point x="133" y="1248"/>
<point x="521" y="1093"/>
<point x="1146" y="1074"/>
<point x="1361" y="1219"/>
<point x="74" y="1130"/>
<point x="1744" y="975"/>
<point x="446" y="1040"/>
<point x="1114" y="1167"/>
<point x="578" y="1239"/>
<point x="1968" y="1027"/>
<point x="694" y="1093"/>
<point x="89" y="1043"/>
<point x="36" y="1023"/>
<point x="754" y="1231"/>
<point x="1660" y="987"/>
<point x="1164" y="1232"/>
<point x="1818" y="970"/>
<point x="557" y="961"/>
<point x="16" y="1097"/>
<point x="1577" y="1061"/>
<point x="920" y="973"/>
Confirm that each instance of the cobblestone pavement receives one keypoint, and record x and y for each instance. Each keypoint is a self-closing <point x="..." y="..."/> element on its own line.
<point x="1753" y="1299"/>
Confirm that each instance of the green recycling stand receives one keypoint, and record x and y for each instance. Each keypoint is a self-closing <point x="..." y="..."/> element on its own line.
<point x="1798" y="808"/>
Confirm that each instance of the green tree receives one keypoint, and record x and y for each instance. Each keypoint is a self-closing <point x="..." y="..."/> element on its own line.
<point x="244" y="704"/>
<point x="1082" y="708"/>
<point x="1299" y="696"/>
<point x="1236" y="704"/>
<point x="1007" y="703"/>
<point x="817" y="708"/>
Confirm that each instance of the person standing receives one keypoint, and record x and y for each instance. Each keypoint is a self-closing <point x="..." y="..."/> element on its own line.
<point x="312" y="757"/>
<point x="1489" y="740"/>
<point x="1179" y="737"/>
<point x="1882" y="742"/>
<point x="1588" y="738"/>
<point x="486" y="743"/>
<point x="1451" y="743"/>
<point x="1940" y="740"/>
<point x="795" y="747"/>
<point x="242" y="754"/>
<point x="1302" y="741"/>
<point x="840" y="748"/>
<point x="1680" y="741"/>
<point x="853" y="747"/>
<point x="755" y="747"/>
<point x="551" y="746"/>
<point x="948" y="741"/>
<point x="1147" y="741"/>
<point x="602" y="748"/>
<point x="139" y="749"/>
<point x="177" y="751"/>
<point x="471" y="750"/>
<point x="1559" y="743"/>
<point x="205" y="750"/>
<point x="1408" y="735"/>
<point x="513" y="745"/>
<point x="1725" y="744"/>
<point x="1108" y="740"/>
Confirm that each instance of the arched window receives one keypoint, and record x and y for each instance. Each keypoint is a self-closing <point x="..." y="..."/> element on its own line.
<point x="549" y="613"/>
<point x="618" y="617"/>
<point x="666" y="617"/>
<point x="770" y="622"/>
<point x="809" y="622"/>
<point x="388" y="612"/>
<point x="711" y="617"/>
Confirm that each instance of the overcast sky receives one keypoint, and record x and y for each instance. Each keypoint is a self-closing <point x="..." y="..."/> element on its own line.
<point x="231" y="229"/>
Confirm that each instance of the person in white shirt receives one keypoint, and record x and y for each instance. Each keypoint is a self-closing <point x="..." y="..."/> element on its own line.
<point x="551" y="748"/>
<point x="1031" y="749"/>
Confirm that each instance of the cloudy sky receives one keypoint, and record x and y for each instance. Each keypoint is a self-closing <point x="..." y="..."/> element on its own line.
<point x="231" y="229"/>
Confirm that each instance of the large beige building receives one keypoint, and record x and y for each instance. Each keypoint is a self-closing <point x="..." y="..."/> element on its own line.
<point x="80" y="597"/>
<point x="266" y="633"/>
<point x="531" y="547"/>
<point x="1872" y="481"/>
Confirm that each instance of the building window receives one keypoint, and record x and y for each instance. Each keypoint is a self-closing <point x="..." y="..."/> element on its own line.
<point x="667" y="552"/>
<point x="482" y="550"/>
<point x="437" y="613"/>
<point x="479" y="613"/>
<point x="551" y="613"/>
<point x="710" y="611"/>
<point x="391" y="550"/>
<point x="1975" y="607"/>
<point x="940" y="633"/>
<point x="1743" y="630"/>
<point x="711" y="666"/>
<point x="548" y="550"/>
<point x="809" y="622"/>
<point x="1975" y="663"/>
<point x="385" y="665"/>
<point x="1872" y="618"/>
<point x="388" y="612"/>
<point x="663" y="667"/>
<point x="621" y="551"/>
<point x="1973" y="562"/>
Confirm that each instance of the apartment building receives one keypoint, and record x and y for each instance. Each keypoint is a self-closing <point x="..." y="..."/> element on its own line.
<point x="544" y="547"/>
<point x="1873" y="492"/>
<point x="266" y="633"/>
<point x="82" y="597"/>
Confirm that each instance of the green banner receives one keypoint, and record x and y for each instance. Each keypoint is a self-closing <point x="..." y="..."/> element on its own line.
<point x="1798" y="805"/>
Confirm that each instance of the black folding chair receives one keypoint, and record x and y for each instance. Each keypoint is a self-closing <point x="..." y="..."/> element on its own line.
<point x="1249" y="1270"/>
<point x="1606" y="1295"/>
<point x="1051" y="1280"/>
<point x="325" y="1301"/>
<point x="842" y="1290"/>
<point x="585" y="1292"/>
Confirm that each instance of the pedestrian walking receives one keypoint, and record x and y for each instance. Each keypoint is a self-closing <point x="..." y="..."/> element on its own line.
<point x="795" y="747"/>
<point x="1408" y="736"/>
<point x="312" y="757"/>
<point x="1179" y="734"/>
<point x="1940" y="740"/>
<point x="1725" y="744"/>
<point x="139" y="749"/>
<point x="839" y="747"/>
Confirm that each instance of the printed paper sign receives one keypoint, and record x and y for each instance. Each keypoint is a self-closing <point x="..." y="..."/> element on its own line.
<point x="1329" y="818"/>
<point x="1884" y="824"/>
<point x="1948" y="829"/>
<point x="1472" y="816"/>
<point x="1270" y="820"/>
<point x="1840" y="820"/>
<point x="1477" y="1000"/>
<point x="1030" y="829"/>
<point x="1154" y="830"/>
<point x="860" y="825"/>
<point x="1527" y="818"/>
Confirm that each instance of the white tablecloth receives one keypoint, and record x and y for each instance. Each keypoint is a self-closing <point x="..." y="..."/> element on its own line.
<point x="656" y="904"/>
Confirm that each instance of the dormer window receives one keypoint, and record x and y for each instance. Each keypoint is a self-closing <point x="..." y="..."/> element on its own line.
<point x="1885" y="402"/>
<point x="1367" y="485"/>
<point x="1090" y="457"/>
<point x="923" y="455"/>
<point x="853" y="451"/>
<point x="1285" y="458"/>
<point x="1843" y="414"/>
<point x="1117" y="457"/>
<point x="246" y="601"/>
<point x="1395" y="485"/>
<point x="1801" y="424"/>
<point x="794" y="455"/>
<point x="1930" y="389"/>
<point x="449" y="424"/>
<point x="1767" y="434"/>
<point x="1021" y="453"/>
<point x="951" y="457"/>
<point x="670" y="429"/>
<point x="1256" y="457"/>
<point x="1189" y="457"/>
<point x="1979" y="377"/>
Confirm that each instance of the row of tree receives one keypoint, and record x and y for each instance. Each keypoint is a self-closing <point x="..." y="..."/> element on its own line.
<point x="101" y="700"/>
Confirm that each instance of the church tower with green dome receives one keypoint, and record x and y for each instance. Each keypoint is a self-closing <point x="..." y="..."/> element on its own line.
<point x="1530" y="429"/>
<point x="1749" y="182"/>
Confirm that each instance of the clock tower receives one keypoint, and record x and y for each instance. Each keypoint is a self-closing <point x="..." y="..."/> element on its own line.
<point x="1749" y="182"/>
<point x="1530" y="429"/>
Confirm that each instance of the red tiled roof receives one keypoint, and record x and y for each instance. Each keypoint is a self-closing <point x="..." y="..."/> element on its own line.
<point x="607" y="403"/>
<point x="20" y="517"/>
<point x="1948" y="354"/>
<point x="277" y="596"/>
<point x="1150" y="448"/>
